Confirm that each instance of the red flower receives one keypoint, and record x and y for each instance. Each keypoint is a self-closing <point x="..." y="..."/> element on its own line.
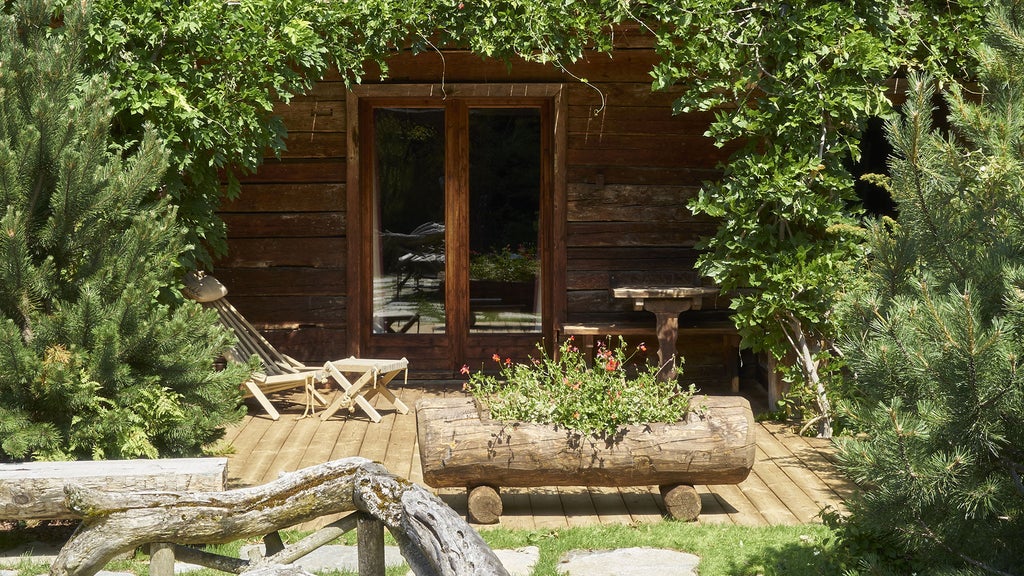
<point x="496" y="358"/>
<point x="508" y="361"/>
<point x="611" y="365"/>
<point x="465" y="369"/>
<point x="642" y="347"/>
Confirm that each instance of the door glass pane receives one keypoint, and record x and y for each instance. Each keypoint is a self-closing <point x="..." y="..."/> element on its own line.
<point x="504" y="211"/>
<point x="409" y="250"/>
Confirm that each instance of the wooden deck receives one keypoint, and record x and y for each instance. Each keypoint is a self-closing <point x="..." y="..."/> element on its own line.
<point x="793" y="478"/>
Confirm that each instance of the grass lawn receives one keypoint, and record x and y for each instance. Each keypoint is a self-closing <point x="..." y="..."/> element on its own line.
<point x="804" y="550"/>
<point x="723" y="550"/>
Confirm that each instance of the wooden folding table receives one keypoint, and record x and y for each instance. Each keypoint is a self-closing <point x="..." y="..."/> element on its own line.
<point x="371" y="378"/>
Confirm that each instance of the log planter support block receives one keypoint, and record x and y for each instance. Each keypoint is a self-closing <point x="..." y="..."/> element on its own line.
<point x="460" y="447"/>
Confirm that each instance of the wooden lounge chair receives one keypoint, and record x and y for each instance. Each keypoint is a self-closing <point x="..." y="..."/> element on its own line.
<point x="282" y="372"/>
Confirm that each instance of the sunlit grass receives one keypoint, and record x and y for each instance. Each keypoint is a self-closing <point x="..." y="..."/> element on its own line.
<point x="803" y="550"/>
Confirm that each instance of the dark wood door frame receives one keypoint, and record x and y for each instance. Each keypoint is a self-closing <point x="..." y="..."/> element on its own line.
<point x="553" y="219"/>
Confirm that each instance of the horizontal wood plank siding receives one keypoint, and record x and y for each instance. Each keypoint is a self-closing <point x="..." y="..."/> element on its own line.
<point x="631" y="167"/>
<point x="285" y="268"/>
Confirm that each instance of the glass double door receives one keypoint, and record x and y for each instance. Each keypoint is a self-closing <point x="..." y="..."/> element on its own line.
<point x="458" y="207"/>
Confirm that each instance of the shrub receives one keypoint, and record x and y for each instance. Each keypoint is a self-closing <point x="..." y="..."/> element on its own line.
<point x="937" y="394"/>
<point x="99" y="358"/>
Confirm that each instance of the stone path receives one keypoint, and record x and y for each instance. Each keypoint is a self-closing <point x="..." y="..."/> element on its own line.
<point x="518" y="562"/>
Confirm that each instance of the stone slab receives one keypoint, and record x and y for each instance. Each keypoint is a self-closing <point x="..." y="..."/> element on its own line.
<point x="628" y="562"/>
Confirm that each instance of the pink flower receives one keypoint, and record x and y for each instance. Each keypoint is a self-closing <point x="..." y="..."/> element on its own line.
<point x="465" y="369"/>
<point x="642" y="347"/>
<point x="496" y="358"/>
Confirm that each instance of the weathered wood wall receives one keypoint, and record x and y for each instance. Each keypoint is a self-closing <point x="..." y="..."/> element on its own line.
<point x="631" y="168"/>
<point x="285" y="269"/>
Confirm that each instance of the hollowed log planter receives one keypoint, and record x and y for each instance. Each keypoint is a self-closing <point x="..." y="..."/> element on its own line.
<point x="461" y="447"/>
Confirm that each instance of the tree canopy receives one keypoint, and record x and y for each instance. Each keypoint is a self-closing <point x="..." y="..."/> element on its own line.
<point x="795" y="81"/>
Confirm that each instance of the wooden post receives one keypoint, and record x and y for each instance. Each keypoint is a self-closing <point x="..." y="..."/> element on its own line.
<point x="273" y="543"/>
<point x="161" y="559"/>
<point x="370" y="543"/>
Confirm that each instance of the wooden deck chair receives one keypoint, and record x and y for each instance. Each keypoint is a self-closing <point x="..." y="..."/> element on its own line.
<point x="282" y="372"/>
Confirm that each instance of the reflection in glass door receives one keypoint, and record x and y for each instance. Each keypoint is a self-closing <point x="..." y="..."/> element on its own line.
<point x="409" y="192"/>
<point x="455" y="190"/>
<point x="504" y="215"/>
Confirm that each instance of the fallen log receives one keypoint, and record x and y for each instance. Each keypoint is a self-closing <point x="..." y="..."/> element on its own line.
<point x="35" y="490"/>
<point x="432" y="537"/>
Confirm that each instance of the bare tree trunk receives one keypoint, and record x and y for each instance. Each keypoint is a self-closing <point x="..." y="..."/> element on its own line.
<point x="809" y="367"/>
<point x="433" y="538"/>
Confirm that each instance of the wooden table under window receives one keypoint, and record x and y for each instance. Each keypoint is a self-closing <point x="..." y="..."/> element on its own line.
<point x="666" y="303"/>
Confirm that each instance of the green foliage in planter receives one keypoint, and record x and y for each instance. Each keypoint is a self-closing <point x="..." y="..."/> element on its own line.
<point x="565" y="391"/>
<point x="98" y="358"/>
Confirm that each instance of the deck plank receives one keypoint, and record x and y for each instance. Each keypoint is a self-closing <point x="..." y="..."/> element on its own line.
<point x="797" y="470"/>
<point x="402" y="442"/>
<point x="739" y="509"/>
<point x="245" y="445"/>
<point x="767" y="503"/>
<point x="269" y="448"/>
<point x="611" y="508"/>
<point x="792" y="476"/>
<point x="786" y="492"/>
<point x="547" y="508"/>
<point x="712" y="510"/>
<point x="518" y="510"/>
<point x="289" y="455"/>
<point x="578" y="506"/>
<point x="321" y="445"/>
<point x="644" y="505"/>
<point x="818" y="456"/>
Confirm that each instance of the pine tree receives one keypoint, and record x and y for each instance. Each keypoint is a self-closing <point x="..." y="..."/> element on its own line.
<point x="99" y="356"/>
<point x="938" y="388"/>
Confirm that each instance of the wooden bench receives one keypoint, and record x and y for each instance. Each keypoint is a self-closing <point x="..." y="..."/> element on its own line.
<point x="587" y="333"/>
<point x="35" y="490"/>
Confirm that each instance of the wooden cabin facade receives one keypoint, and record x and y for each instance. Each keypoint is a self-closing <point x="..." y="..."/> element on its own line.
<point x="364" y="237"/>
